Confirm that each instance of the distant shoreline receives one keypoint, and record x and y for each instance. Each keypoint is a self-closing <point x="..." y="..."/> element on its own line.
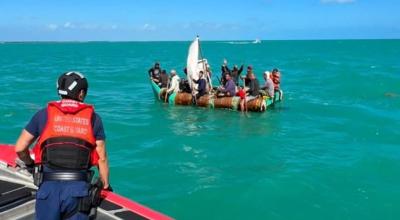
<point x="144" y="41"/>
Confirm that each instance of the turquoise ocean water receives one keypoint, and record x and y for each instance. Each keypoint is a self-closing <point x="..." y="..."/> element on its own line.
<point x="330" y="151"/>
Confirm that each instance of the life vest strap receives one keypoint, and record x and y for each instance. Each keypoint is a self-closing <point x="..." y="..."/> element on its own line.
<point x="72" y="140"/>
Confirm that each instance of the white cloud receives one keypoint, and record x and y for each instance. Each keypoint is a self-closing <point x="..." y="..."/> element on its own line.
<point x="52" y="27"/>
<point x="82" y="26"/>
<point x="338" y="1"/>
<point x="69" y="25"/>
<point x="149" y="27"/>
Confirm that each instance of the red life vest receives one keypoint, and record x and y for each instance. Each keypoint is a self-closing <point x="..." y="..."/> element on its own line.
<point x="68" y="137"/>
<point x="276" y="79"/>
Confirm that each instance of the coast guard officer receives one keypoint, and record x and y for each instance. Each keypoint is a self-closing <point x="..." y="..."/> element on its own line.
<point x="69" y="139"/>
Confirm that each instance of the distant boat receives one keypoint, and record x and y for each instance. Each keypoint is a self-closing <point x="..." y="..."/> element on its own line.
<point x="257" y="41"/>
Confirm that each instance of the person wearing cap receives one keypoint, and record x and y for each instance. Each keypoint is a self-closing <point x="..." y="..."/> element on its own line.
<point x="269" y="85"/>
<point x="174" y="83"/>
<point x="70" y="139"/>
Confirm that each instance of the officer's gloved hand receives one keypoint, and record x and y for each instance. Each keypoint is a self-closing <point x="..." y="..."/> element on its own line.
<point x="28" y="167"/>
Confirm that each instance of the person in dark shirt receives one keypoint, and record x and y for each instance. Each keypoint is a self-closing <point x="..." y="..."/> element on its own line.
<point x="224" y="67"/>
<point x="236" y="74"/>
<point x="70" y="139"/>
<point x="202" y="85"/>
<point x="254" y="86"/>
<point x="164" y="79"/>
<point x="229" y="88"/>
<point x="223" y="78"/>
<point x="154" y="73"/>
<point x="224" y="71"/>
<point x="246" y="78"/>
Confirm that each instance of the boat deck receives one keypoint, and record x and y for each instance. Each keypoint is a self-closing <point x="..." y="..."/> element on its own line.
<point x="17" y="195"/>
<point x="17" y="201"/>
<point x="13" y="194"/>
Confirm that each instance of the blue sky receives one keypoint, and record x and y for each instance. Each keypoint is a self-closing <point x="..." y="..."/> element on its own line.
<point x="145" y="20"/>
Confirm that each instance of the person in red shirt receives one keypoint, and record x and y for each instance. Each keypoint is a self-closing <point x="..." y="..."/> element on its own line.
<point x="243" y="104"/>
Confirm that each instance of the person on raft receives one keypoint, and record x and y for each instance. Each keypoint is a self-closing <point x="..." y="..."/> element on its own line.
<point x="163" y="79"/>
<point x="254" y="87"/>
<point x="229" y="88"/>
<point x="224" y="67"/>
<point x="246" y="78"/>
<point x="202" y="85"/>
<point x="276" y="79"/>
<point x="268" y="88"/>
<point x="154" y="73"/>
<point x="243" y="103"/>
<point x="236" y="73"/>
<point x="224" y="70"/>
<point x="174" y="84"/>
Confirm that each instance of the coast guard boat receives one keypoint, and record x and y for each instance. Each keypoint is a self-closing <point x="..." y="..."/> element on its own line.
<point x="17" y="195"/>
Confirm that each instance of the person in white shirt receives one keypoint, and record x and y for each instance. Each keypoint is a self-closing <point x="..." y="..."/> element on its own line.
<point x="174" y="84"/>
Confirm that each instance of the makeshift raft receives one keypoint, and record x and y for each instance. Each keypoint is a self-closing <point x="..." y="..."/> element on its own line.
<point x="259" y="104"/>
<point x="195" y="64"/>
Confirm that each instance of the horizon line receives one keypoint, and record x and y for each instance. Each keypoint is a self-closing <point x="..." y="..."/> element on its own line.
<point x="150" y="41"/>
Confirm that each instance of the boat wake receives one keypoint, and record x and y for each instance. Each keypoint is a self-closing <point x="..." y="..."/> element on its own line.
<point x="257" y="41"/>
<point x="237" y="42"/>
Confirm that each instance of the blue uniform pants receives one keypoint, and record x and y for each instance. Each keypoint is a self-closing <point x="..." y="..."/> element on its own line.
<point x="57" y="198"/>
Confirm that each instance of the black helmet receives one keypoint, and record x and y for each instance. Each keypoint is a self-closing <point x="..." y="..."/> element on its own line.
<point x="69" y="84"/>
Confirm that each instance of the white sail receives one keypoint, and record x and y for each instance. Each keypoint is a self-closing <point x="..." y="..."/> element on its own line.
<point x="195" y="65"/>
<point x="192" y="60"/>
